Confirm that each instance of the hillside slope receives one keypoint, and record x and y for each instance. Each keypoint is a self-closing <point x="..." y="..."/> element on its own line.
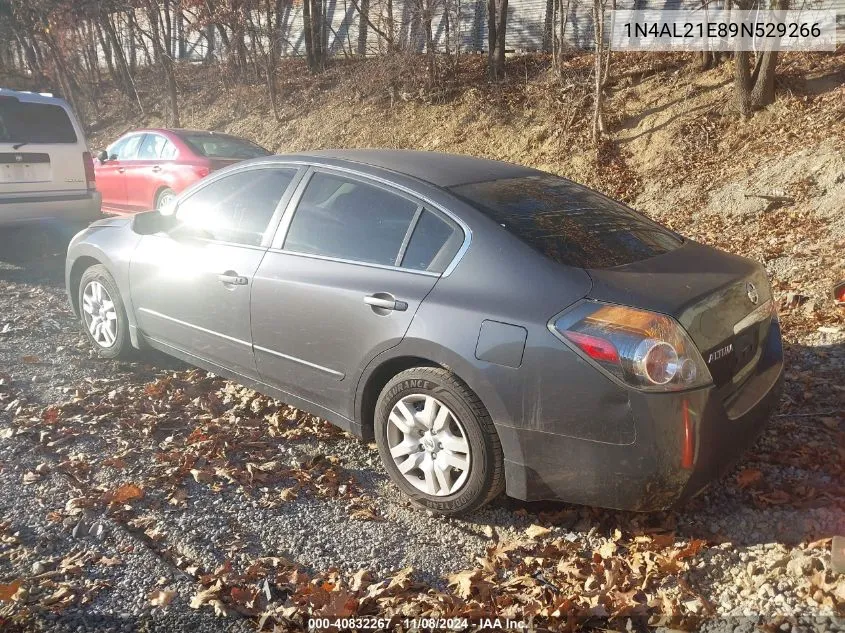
<point x="771" y="187"/>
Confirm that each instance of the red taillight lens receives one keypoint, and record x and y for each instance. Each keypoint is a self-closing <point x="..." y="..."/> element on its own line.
<point x="90" y="174"/>
<point x="644" y="349"/>
<point x="596" y="348"/>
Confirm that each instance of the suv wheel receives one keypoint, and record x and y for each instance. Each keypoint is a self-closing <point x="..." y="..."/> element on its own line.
<point x="103" y="314"/>
<point x="437" y="441"/>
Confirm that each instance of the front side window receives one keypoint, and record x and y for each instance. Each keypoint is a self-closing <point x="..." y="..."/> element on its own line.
<point x="348" y="219"/>
<point x="126" y="149"/>
<point x="569" y="223"/>
<point x="23" y="122"/>
<point x="236" y="208"/>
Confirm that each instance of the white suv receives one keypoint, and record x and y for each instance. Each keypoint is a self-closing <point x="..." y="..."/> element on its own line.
<point x="46" y="170"/>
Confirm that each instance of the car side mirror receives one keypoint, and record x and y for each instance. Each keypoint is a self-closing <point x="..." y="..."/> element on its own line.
<point x="152" y="222"/>
<point x="103" y="156"/>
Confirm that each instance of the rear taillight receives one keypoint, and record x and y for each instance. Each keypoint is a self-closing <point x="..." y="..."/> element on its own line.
<point x="646" y="350"/>
<point x="90" y="175"/>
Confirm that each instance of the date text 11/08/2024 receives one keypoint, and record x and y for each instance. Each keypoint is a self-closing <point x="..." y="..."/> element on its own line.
<point x="428" y="624"/>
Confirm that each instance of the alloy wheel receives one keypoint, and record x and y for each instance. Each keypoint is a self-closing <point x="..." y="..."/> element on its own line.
<point x="428" y="445"/>
<point x="164" y="199"/>
<point x="100" y="314"/>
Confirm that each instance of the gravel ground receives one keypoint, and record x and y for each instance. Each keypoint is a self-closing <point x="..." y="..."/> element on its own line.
<point x="765" y="558"/>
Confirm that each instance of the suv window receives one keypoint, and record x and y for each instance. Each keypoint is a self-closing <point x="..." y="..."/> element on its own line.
<point x="434" y="243"/>
<point x="25" y="122"/>
<point x="348" y="219"/>
<point x="569" y="223"/>
<point x="151" y="147"/>
<point x="236" y="208"/>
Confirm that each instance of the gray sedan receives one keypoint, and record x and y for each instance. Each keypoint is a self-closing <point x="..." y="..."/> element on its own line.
<point x="491" y="326"/>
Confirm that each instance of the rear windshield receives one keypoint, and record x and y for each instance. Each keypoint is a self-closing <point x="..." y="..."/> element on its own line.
<point x="569" y="223"/>
<point x="220" y="146"/>
<point x="22" y="122"/>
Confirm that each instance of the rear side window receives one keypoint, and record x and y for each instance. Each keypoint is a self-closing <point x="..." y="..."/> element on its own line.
<point x="169" y="151"/>
<point x="23" y="122"/>
<point x="433" y="244"/>
<point x="222" y="146"/>
<point x="152" y="147"/>
<point x="569" y="223"/>
<point x="348" y="219"/>
<point x="236" y="208"/>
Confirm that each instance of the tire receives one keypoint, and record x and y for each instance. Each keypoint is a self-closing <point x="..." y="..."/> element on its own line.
<point x="162" y="196"/>
<point x="454" y="490"/>
<point x="104" y="298"/>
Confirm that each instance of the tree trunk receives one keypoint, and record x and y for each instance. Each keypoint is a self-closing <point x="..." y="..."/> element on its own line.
<point x="363" y="18"/>
<point x="497" y="20"/>
<point x="306" y="34"/>
<point x="429" y="42"/>
<point x="598" y="70"/>
<point x="742" y="83"/>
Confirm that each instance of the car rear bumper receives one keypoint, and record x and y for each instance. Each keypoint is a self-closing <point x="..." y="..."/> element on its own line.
<point x="83" y="206"/>
<point x="683" y="442"/>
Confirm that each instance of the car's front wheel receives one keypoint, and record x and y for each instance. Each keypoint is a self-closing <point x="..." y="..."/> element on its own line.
<point x="103" y="314"/>
<point x="437" y="441"/>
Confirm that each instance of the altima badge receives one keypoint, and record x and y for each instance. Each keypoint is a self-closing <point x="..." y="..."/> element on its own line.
<point x="720" y="353"/>
<point x="753" y="295"/>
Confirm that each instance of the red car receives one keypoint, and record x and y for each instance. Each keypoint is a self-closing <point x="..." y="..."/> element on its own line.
<point x="145" y="169"/>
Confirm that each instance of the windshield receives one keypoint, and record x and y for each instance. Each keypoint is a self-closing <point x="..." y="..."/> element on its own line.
<point x="222" y="146"/>
<point x="22" y="122"/>
<point x="569" y="223"/>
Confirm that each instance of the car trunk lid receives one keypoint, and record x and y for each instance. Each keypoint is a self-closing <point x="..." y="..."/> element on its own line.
<point x="722" y="300"/>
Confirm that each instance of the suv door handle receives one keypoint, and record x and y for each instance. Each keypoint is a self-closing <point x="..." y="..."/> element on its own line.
<point x="230" y="278"/>
<point x="385" y="301"/>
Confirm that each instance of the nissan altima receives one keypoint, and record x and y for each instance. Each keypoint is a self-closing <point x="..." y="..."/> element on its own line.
<point x="492" y="327"/>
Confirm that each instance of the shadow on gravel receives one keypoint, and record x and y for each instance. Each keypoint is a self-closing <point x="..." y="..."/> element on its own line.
<point x="36" y="253"/>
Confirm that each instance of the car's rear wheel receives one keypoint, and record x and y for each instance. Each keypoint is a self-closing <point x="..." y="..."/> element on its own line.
<point x="103" y="314"/>
<point x="437" y="441"/>
<point x="164" y="197"/>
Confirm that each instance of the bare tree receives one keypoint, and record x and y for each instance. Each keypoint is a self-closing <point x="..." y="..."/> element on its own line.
<point x="755" y="89"/>
<point x="497" y="22"/>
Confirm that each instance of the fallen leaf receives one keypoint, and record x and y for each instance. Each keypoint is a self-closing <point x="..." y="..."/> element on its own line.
<point x="159" y="598"/>
<point x="361" y="579"/>
<point x="463" y="582"/>
<point x="749" y="477"/>
<point x="536" y="531"/>
<point x="7" y="591"/>
<point x="125" y="494"/>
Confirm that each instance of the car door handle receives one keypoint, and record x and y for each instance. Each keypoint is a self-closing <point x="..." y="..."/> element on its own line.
<point x="230" y="278"/>
<point x="382" y="300"/>
<point x="121" y="169"/>
<point x="156" y="168"/>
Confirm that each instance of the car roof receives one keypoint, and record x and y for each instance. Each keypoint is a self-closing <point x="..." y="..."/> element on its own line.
<point x="437" y="168"/>
<point x="32" y="97"/>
